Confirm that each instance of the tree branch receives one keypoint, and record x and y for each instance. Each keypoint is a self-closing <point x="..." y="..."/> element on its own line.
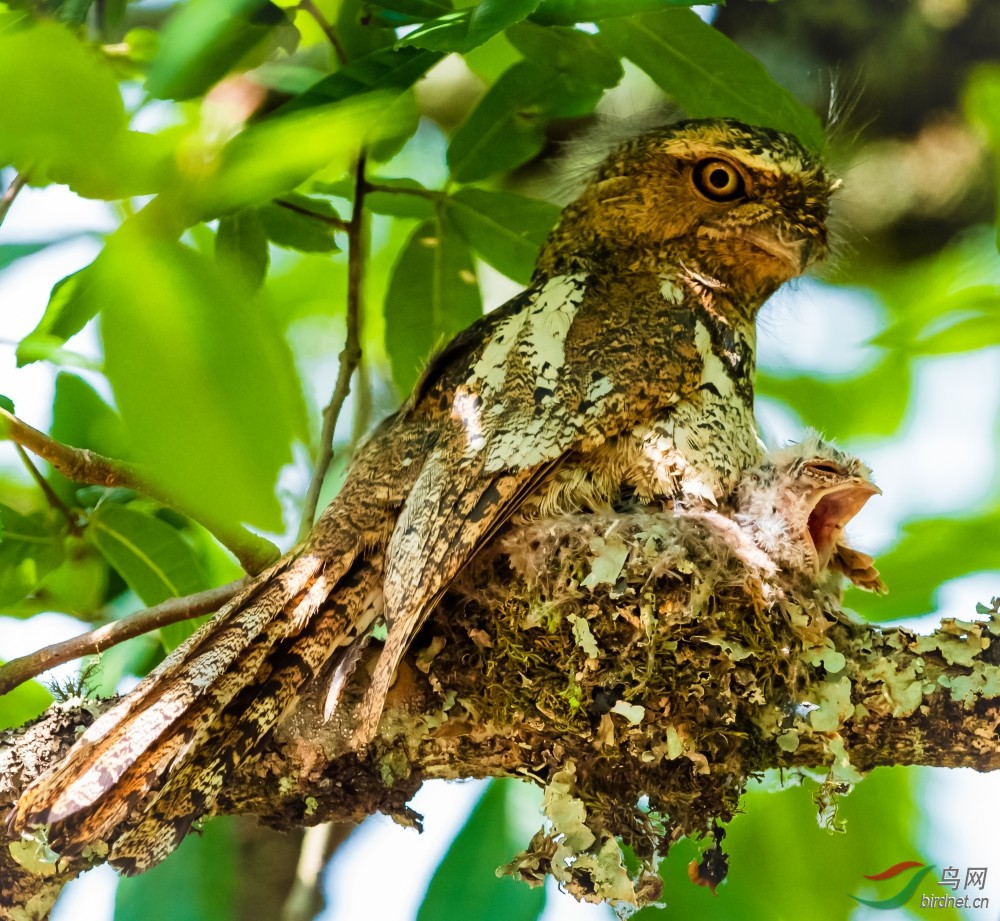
<point x="171" y="611"/>
<point x="11" y="193"/>
<point x="350" y="357"/>
<point x="669" y="679"/>
<point x="254" y="553"/>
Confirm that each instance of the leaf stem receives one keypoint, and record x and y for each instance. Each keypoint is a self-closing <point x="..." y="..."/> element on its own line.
<point x="350" y="357"/>
<point x="171" y="611"/>
<point x="82" y="466"/>
<point x="309" y="7"/>
<point x="50" y="494"/>
<point x="432" y="194"/>
<point x="335" y="222"/>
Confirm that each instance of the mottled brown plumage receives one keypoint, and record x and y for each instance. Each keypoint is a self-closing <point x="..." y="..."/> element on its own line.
<point x="624" y="373"/>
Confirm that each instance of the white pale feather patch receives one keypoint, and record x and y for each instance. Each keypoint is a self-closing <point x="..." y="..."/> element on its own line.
<point x="465" y="408"/>
<point x="537" y="333"/>
<point x="670" y="291"/>
<point x="533" y="340"/>
<point x="599" y="388"/>
<point x="712" y="369"/>
<point x="549" y="321"/>
<point x="701" y="447"/>
<point x="491" y="369"/>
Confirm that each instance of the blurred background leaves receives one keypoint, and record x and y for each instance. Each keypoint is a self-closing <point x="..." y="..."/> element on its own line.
<point x="198" y="335"/>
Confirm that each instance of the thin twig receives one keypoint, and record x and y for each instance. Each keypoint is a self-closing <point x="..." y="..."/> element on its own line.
<point x="50" y="494"/>
<point x="82" y="466"/>
<point x="171" y="611"/>
<point x="327" y="28"/>
<point x="362" y="414"/>
<point x="350" y="357"/>
<point x="336" y="222"/>
<point x="318" y="844"/>
<point x="10" y="193"/>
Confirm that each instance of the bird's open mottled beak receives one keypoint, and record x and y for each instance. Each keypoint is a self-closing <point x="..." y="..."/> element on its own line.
<point x="832" y="511"/>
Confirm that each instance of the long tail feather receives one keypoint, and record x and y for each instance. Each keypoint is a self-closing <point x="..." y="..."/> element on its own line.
<point x="115" y="768"/>
<point x="191" y="792"/>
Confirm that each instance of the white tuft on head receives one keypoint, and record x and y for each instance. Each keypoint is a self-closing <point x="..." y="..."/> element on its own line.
<point x="583" y="154"/>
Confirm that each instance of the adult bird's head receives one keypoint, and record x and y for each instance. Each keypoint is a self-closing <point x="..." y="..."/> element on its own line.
<point x="739" y="208"/>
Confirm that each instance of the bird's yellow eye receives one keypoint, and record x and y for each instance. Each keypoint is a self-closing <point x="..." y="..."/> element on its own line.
<point x="718" y="180"/>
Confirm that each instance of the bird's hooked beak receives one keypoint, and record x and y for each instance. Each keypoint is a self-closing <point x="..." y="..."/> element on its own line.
<point x="798" y="252"/>
<point x="832" y="509"/>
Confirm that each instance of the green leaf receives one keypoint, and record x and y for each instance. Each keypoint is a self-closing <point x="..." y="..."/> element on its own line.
<point x="584" y="58"/>
<point x="81" y="418"/>
<point x="198" y="882"/>
<point x="274" y="156"/>
<point x="151" y="556"/>
<point x="464" y="30"/>
<point x="78" y="586"/>
<point x="359" y="32"/>
<point x="211" y="409"/>
<point x="301" y="223"/>
<point x="507" y="128"/>
<point x="930" y="553"/>
<point x="112" y="20"/>
<point x="31" y="546"/>
<point x="74" y="89"/>
<point x="72" y="12"/>
<point x="465" y="884"/>
<point x="241" y="246"/>
<point x="66" y="313"/>
<point x="6" y="403"/>
<point x="11" y="252"/>
<point x="506" y="230"/>
<point x="936" y="318"/>
<point x="707" y="73"/>
<point x="566" y="75"/>
<point x="432" y="295"/>
<point x="204" y="39"/>
<point x="779" y="855"/>
<point x="404" y="114"/>
<point x="24" y="703"/>
<point x="569" y="12"/>
<point x="384" y="199"/>
<point x="383" y="69"/>
<point x="404" y="12"/>
<point x="961" y="334"/>
<point x="65" y="122"/>
<point x="843" y="407"/>
<point x="50" y="349"/>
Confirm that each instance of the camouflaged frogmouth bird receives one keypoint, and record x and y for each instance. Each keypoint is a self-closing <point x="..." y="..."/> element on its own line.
<point x="624" y="370"/>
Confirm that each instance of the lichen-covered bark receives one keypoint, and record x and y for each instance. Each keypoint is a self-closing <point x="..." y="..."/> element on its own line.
<point x="640" y="669"/>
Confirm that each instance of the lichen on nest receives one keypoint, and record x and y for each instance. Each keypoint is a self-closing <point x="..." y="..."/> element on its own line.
<point x="646" y="664"/>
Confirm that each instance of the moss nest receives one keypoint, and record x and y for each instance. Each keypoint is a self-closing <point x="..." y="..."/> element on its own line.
<point x="641" y="668"/>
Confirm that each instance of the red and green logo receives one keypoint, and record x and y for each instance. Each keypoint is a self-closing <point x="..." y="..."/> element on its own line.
<point x="894" y="872"/>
